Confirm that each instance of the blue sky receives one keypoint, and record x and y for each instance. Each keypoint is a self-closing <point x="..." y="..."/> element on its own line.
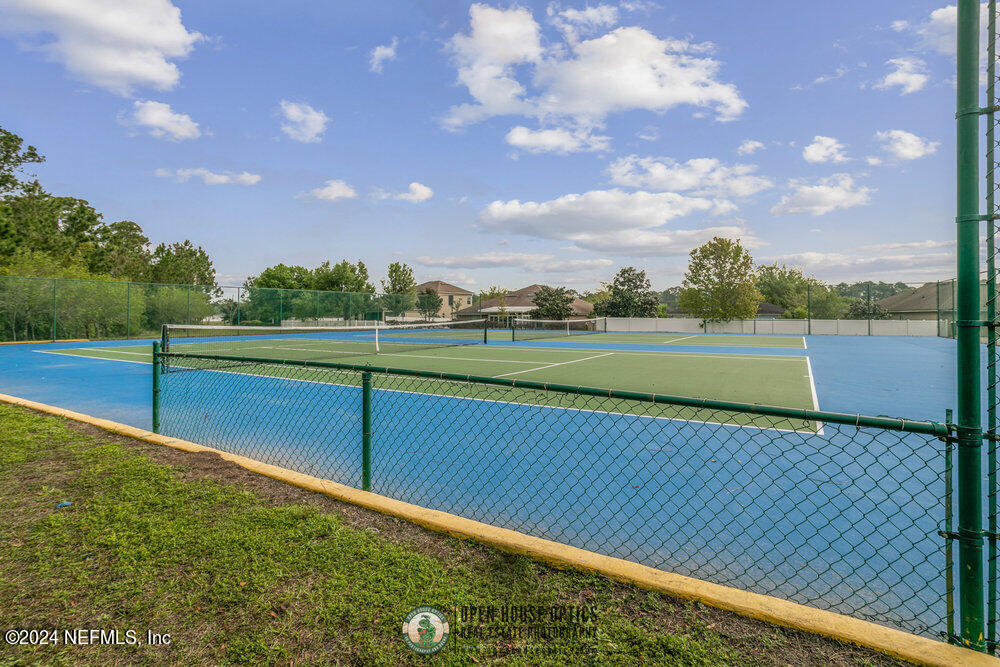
<point x="500" y="143"/>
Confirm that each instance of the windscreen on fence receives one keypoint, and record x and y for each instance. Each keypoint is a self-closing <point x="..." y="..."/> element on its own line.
<point x="838" y="512"/>
<point x="68" y="308"/>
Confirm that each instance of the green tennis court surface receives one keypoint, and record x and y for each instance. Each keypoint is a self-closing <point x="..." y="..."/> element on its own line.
<point x="713" y="340"/>
<point x="769" y="380"/>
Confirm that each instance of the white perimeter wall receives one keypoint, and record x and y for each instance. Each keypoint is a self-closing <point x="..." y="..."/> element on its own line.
<point x="780" y="326"/>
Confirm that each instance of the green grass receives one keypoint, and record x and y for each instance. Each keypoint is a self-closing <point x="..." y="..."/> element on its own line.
<point x="237" y="577"/>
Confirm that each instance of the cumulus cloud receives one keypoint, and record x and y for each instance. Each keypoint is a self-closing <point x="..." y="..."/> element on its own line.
<point x="905" y="145"/>
<point x="417" y="192"/>
<point x="909" y="75"/>
<point x="382" y="54"/>
<point x="302" y="122"/>
<point x="114" y="45"/>
<point x="578" y="83"/>
<point x="558" y="140"/>
<point x="162" y="122"/>
<point x="210" y="178"/>
<point x="857" y="263"/>
<point x="332" y="191"/>
<point x="701" y="176"/>
<point x="545" y="263"/>
<point x="824" y="149"/>
<point x="828" y="194"/>
<point x="749" y="147"/>
<point x="574" y="23"/>
<point x="609" y="221"/>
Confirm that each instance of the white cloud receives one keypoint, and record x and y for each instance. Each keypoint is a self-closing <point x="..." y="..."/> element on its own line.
<point x="382" y="54"/>
<point x="900" y="26"/>
<point x="210" y="178"/>
<point x="856" y="263"/>
<point x="111" y="44"/>
<point x="162" y="121"/>
<point x="579" y="84"/>
<point x="333" y="190"/>
<point x="558" y="140"/>
<point x="302" y="122"/>
<point x="824" y="149"/>
<point x="906" y="146"/>
<point x="873" y="161"/>
<point x="749" y="147"/>
<point x="487" y="260"/>
<point x="701" y="176"/>
<point x="909" y="74"/>
<point x="828" y="194"/>
<point x="609" y="221"/>
<point x="649" y="133"/>
<point x="573" y="23"/>
<point x="417" y="192"/>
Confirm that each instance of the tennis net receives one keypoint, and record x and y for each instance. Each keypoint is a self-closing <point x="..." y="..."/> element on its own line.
<point x="525" y="329"/>
<point x="318" y="343"/>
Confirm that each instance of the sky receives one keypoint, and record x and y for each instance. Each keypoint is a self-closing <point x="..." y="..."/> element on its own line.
<point x="500" y="144"/>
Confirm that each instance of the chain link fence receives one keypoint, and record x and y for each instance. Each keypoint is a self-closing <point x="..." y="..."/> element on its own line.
<point x="69" y="308"/>
<point x="835" y="511"/>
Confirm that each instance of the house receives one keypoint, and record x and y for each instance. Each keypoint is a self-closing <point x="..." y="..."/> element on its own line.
<point x="520" y="302"/>
<point x="924" y="303"/>
<point x="452" y="298"/>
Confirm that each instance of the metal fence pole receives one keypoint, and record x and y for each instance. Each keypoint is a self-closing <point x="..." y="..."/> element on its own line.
<point x="54" y="281"/>
<point x="187" y="318"/>
<point x="809" y="316"/>
<point x="239" y="295"/>
<point x="366" y="431"/>
<point x="969" y="428"/>
<point x="128" y="308"/>
<point x="156" y="386"/>
<point x="991" y="316"/>
<point x="869" y="308"/>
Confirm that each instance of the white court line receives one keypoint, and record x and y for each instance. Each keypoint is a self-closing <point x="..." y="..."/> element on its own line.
<point x="561" y="363"/>
<point x="87" y="356"/>
<point x="674" y="340"/>
<point x="815" y="397"/>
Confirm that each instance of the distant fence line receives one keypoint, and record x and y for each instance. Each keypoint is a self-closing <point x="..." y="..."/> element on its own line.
<point x="34" y="308"/>
<point x="694" y="325"/>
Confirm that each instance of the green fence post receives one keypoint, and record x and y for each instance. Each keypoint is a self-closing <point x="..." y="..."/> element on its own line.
<point x="156" y="386"/>
<point x="991" y="341"/>
<point x="54" y="281"/>
<point x="869" y="308"/>
<point x="366" y="431"/>
<point x="937" y="295"/>
<point x="128" y="308"/>
<point x="281" y="307"/>
<point x="969" y="428"/>
<point x="809" y="315"/>
<point x="187" y="318"/>
<point x="239" y="295"/>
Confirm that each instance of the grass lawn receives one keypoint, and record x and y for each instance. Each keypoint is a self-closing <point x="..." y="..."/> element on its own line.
<point x="239" y="568"/>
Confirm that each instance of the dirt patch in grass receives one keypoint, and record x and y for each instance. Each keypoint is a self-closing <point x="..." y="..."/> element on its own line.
<point x="247" y="569"/>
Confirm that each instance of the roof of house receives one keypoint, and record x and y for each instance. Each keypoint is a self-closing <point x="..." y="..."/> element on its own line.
<point x="523" y="300"/>
<point x="921" y="298"/>
<point x="441" y="287"/>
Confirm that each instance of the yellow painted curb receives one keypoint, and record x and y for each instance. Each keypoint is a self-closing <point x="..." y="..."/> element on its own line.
<point x="919" y="650"/>
<point x="36" y="342"/>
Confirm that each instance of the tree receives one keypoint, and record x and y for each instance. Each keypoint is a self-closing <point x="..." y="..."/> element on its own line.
<point x="824" y="303"/>
<point x="552" y="303"/>
<point x="282" y="276"/>
<point x="181" y="263"/>
<point x="782" y="285"/>
<point x="342" y="277"/>
<point x="400" y="289"/>
<point x="629" y="295"/>
<point x="863" y="309"/>
<point x="720" y="284"/>
<point x="671" y="297"/>
<point x="429" y="303"/>
<point x="37" y="221"/>
<point x="120" y="250"/>
<point x="13" y="158"/>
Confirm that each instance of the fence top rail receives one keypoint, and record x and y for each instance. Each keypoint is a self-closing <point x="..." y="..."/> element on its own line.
<point x="887" y="423"/>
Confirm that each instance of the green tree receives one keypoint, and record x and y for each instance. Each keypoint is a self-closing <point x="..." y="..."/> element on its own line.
<point x="12" y="158"/>
<point x="863" y="309"/>
<point x="429" y="303"/>
<point x="629" y="295"/>
<point x="182" y="263"/>
<point x="782" y="285"/>
<point x="824" y="303"/>
<point x="671" y="297"/>
<point x="37" y="221"/>
<point x="400" y="289"/>
<point x="283" y="277"/>
<point x="552" y="303"/>
<point x="121" y="250"/>
<point x="342" y="277"/>
<point x="720" y="284"/>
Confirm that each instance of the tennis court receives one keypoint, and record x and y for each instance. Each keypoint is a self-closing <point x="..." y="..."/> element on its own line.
<point x="784" y="381"/>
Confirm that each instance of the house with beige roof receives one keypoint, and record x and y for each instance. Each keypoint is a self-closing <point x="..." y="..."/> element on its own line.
<point x="520" y="302"/>
<point x="453" y="298"/>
